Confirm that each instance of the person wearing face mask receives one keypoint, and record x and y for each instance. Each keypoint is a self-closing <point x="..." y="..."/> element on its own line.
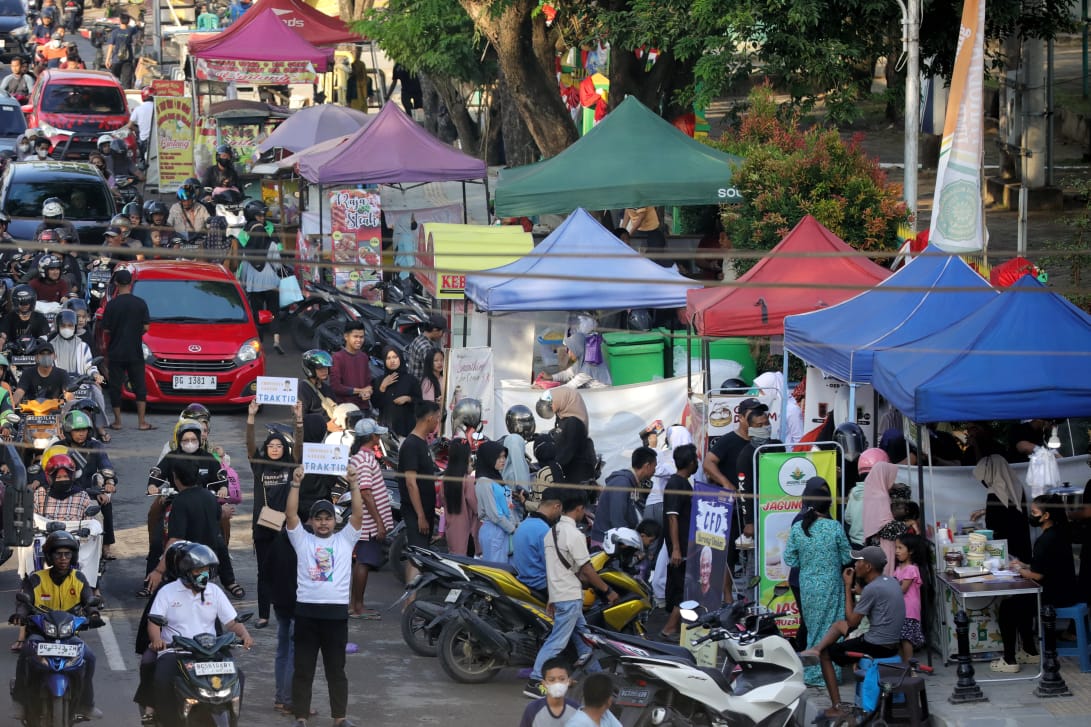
<point x="223" y="174"/>
<point x="74" y="356"/>
<point x="18" y="84"/>
<point x="23" y="148"/>
<point x="42" y="148"/>
<point x="44" y="381"/>
<point x="759" y="433"/>
<point x="554" y="709"/>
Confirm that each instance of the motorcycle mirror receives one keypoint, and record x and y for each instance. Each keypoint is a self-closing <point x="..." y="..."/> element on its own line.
<point x="23" y="598"/>
<point x="54" y="526"/>
<point x="91" y="511"/>
<point x="244" y="617"/>
<point x="754" y="582"/>
<point x="265" y="317"/>
<point x="689" y="610"/>
<point x="11" y="418"/>
<point x="96" y="602"/>
<point x="780" y="589"/>
<point x="83" y="533"/>
<point x="345" y="498"/>
<point x="159" y="621"/>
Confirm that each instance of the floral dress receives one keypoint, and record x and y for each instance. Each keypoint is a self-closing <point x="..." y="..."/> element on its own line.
<point x="820" y="558"/>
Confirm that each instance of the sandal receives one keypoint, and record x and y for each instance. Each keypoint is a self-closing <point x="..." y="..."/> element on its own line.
<point x="369" y="614"/>
<point x="144" y="592"/>
<point x="235" y="590"/>
<point x="262" y="623"/>
<point x="17" y="646"/>
<point x="104" y="436"/>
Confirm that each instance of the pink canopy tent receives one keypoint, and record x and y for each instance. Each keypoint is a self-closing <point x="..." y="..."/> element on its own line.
<point x="313" y="26"/>
<point x="265" y="51"/>
<point x="390" y="150"/>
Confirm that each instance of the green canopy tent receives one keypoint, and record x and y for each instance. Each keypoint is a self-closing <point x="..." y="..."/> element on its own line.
<point x="633" y="158"/>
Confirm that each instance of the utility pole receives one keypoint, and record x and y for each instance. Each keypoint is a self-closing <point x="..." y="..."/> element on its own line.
<point x="911" y="46"/>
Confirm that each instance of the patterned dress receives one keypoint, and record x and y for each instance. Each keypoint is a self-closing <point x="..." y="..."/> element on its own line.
<point x="820" y="558"/>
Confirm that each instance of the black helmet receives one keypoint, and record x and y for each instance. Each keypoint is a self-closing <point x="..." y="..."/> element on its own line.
<point x="183" y="426"/>
<point x="173" y="553"/>
<point x="851" y="438"/>
<point x="314" y="359"/>
<point x="733" y="384"/>
<point x="65" y="318"/>
<point x="87" y="406"/>
<point x="23" y="295"/>
<point x="254" y="208"/>
<point x="65" y="235"/>
<point x="640" y="319"/>
<point x="225" y="150"/>
<point x="123" y="222"/>
<point x="197" y="556"/>
<point x="189" y="189"/>
<point x="132" y="209"/>
<point x="520" y="420"/>
<point x="466" y="413"/>
<point x="60" y="540"/>
<point x="199" y="412"/>
<point x="46" y="263"/>
<point x="76" y="305"/>
<point x="152" y="208"/>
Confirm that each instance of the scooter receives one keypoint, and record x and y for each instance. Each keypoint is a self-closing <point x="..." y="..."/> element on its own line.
<point x="99" y="275"/>
<point x="207" y="685"/>
<point x="761" y="682"/>
<point x="58" y="654"/>
<point x="87" y="529"/>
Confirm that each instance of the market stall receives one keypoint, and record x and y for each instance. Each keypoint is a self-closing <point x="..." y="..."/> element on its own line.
<point x="312" y="25"/>
<point x="263" y="51"/>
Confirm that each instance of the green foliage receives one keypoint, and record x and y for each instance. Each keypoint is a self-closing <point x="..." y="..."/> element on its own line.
<point x="1068" y="257"/>
<point x="789" y="173"/>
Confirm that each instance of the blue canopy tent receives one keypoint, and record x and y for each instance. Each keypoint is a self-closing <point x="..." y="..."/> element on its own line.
<point x="580" y="266"/>
<point x="1025" y="354"/>
<point x="929" y="294"/>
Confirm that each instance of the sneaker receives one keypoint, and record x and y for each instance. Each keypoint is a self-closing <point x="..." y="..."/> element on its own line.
<point x="744" y="542"/>
<point x="999" y="665"/>
<point x="1022" y="657"/>
<point x="88" y="714"/>
<point x="534" y="689"/>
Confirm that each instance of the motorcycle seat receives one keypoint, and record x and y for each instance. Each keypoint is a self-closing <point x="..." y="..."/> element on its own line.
<point x="474" y="561"/>
<point x="656" y="647"/>
<point x="719" y="677"/>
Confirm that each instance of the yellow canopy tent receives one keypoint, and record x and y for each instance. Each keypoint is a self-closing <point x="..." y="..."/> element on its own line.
<point x="446" y="252"/>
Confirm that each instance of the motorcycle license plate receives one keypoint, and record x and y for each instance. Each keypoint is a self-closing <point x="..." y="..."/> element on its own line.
<point x="68" y="651"/>
<point x="208" y="668"/>
<point x="45" y="419"/>
<point x="96" y="277"/>
<point x="453" y="595"/>
<point x="189" y="381"/>
<point x="633" y="697"/>
<point x="23" y="361"/>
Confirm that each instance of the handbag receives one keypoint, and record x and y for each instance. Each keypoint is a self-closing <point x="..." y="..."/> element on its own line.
<point x="290" y="292"/>
<point x="270" y="518"/>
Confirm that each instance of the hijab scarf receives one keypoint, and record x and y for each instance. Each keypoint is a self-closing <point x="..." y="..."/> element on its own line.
<point x="487" y="456"/>
<point x="568" y="403"/>
<point x="877" y="506"/>
<point x="404" y="385"/>
<point x="999" y="478"/>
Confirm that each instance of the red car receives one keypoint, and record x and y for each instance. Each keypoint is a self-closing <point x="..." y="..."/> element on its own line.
<point x="80" y="104"/>
<point x="202" y="343"/>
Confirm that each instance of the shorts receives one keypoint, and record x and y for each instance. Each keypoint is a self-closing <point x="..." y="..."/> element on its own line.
<point x="119" y="371"/>
<point x="912" y="632"/>
<point x="412" y="531"/>
<point x="839" y="650"/>
<point x="369" y="553"/>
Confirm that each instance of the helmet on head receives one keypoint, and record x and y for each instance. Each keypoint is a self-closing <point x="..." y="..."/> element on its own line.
<point x="60" y="540"/>
<point x="76" y="419"/>
<point x="23" y="295"/>
<point x="851" y="438"/>
<point x="183" y="426"/>
<point x="65" y="319"/>
<point x="189" y="189"/>
<point x="154" y="208"/>
<point x="253" y="208"/>
<point x="53" y="207"/>
<point x="544" y="406"/>
<point x="170" y="558"/>
<point x="118" y="146"/>
<point x="132" y="210"/>
<point x="196" y="411"/>
<point x="57" y="463"/>
<point x="147" y="93"/>
<point x="46" y="263"/>
<point x="618" y="540"/>
<point x="225" y="150"/>
<point x="122" y="221"/>
<point x="87" y="406"/>
<point x="52" y="451"/>
<point x="193" y="558"/>
<point x="520" y="420"/>
<point x="869" y="458"/>
<point x="76" y="305"/>
<point x="466" y="414"/>
<point x="65" y="235"/>
<point x="104" y="139"/>
<point x="314" y="359"/>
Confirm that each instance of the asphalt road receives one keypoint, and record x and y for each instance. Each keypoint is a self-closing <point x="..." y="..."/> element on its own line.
<point x="389" y="685"/>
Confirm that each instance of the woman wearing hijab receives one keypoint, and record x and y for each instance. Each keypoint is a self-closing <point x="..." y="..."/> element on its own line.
<point x="1005" y="505"/>
<point x="877" y="515"/>
<point x="581" y="373"/>
<point x="493" y="503"/>
<point x="397" y="393"/>
<point x="575" y="450"/>
<point x="272" y="465"/>
<point x="460" y="500"/>
<point x="818" y="550"/>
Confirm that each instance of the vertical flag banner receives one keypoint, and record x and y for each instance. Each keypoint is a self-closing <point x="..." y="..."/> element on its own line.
<point x="173" y="139"/>
<point x="706" y="555"/>
<point x="958" y="217"/>
<point x="781" y="479"/>
<point x="356" y="241"/>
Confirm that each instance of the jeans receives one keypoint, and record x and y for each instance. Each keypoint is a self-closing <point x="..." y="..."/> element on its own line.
<point x="494" y="542"/>
<point x="283" y="669"/>
<point x="328" y="636"/>
<point x="567" y="622"/>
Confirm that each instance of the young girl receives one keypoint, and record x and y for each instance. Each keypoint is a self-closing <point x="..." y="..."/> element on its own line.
<point x="910" y="554"/>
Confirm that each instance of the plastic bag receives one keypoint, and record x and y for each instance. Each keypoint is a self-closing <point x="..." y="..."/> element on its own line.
<point x="290" y="291"/>
<point x="593" y="354"/>
<point x="1042" y="472"/>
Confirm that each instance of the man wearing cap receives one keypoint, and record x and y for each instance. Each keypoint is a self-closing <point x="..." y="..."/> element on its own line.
<point x="881" y="601"/>
<point x="418" y="357"/>
<point x="323" y="583"/>
<point x="125" y="321"/>
<point x="44" y="381"/>
<point x="377" y="520"/>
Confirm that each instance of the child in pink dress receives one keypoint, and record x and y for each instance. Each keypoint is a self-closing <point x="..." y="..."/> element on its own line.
<point x="910" y="552"/>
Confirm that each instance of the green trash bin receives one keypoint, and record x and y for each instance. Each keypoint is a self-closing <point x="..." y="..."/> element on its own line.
<point x="719" y="349"/>
<point x="634" y="358"/>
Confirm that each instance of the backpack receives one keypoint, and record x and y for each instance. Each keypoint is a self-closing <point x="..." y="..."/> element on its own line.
<point x="216" y="236"/>
<point x="123" y="53"/>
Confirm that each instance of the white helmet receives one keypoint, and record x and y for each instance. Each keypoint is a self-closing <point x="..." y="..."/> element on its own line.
<point x="52" y="207"/>
<point x="104" y="139"/>
<point x="622" y="538"/>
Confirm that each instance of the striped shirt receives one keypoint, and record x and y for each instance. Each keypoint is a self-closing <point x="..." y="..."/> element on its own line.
<point x="369" y="476"/>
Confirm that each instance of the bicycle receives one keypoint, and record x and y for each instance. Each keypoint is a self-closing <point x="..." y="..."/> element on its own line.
<point x="856" y="715"/>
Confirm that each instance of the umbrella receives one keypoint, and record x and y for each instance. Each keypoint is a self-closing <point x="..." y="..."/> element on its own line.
<point x="312" y="125"/>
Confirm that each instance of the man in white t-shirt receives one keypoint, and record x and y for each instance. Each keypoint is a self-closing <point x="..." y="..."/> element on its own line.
<point x="323" y="579"/>
<point x="142" y="118"/>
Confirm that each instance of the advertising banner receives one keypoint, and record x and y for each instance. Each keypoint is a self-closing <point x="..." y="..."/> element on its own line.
<point x="255" y="73"/>
<point x="723" y="412"/>
<point x="706" y="556"/>
<point x="277" y="390"/>
<point x="325" y="459"/>
<point x="825" y="394"/>
<point x="174" y="140"/>
<point x="356" y="245"/>
<point x="781" y="479"/>
<point x="470" y="376"/>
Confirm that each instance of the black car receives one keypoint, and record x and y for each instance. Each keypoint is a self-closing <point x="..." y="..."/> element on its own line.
<point x="87" y="200"/>
<point x="14" y="31"/>
<point x="12" y="122"/>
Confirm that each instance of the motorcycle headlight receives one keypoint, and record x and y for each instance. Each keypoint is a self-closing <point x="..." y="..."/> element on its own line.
<point x="149" y="357"/>
<point x="41" y="442"/>
<point x="65" y="631"/>
<point x="248" y="351"/>
<point x="21" y="31"/>
<point x="213" y="693"/>
<point x="50" y="629"/>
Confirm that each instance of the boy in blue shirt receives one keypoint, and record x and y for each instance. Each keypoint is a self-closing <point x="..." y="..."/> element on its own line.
<point x="528" y="542"/>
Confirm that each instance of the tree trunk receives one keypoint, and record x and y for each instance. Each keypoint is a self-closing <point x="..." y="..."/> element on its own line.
<point x="521" y="51"/>
<point x="493" y="143"/>
<point x="518" y="145"/>
<point x="469" y="135"/>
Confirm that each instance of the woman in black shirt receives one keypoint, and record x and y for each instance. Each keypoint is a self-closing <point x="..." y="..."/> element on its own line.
<point x="398" y="391"/>
<point x="575" y="450"/>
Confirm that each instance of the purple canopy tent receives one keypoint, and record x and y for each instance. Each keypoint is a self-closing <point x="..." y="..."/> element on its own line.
<point x="313" y="125"/>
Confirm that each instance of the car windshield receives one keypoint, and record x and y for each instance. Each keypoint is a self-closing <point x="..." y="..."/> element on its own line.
<point x="192" y="301"/>
<point x="12" y="121"/>
<point x="60" y="98"/>
<point x="82" y="199"/>
<point x="12" y="7"/>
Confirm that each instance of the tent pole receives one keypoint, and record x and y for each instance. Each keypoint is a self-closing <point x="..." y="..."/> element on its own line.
<point x="465" y="212"/>
<point x="689" y="358"/>
<point x="321" y="236"/>
<point x="852" y="401"/>
<point x="488" y="216"/>
<point x="378" y="78"/>
<point x="784" y="403"/>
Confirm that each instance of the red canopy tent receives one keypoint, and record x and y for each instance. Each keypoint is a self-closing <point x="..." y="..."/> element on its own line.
<point x="785" y="283"/>
<point x="313" y="26"/>
<point x="264" y="51"/>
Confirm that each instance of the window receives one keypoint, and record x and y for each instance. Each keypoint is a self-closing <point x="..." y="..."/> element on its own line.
<point x="12" y="121"/>
<point x="12" y="7"/>
<point x="60" y="98"/>
<point x="82" y="199"/>
<point x="192" y="301"/>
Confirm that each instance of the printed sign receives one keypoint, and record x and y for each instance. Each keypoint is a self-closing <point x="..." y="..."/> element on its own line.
<point x="255" y="73"/>
<point x="723" y="412"/>
<point x="781" y="479"/>
<point x="278" y="390"/>
<point x="826" y="394"/>
<point x="174" y="140"/>
<point x="168" y="87"/>
<point x="470" y="376"/>
<point x="356" y="240"/>
<point x="325" y="459"/>
<point x="706" y="556"/>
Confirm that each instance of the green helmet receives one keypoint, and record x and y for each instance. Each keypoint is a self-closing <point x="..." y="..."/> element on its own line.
<point x="76" y="419"/>
<point x="314" y="359"/>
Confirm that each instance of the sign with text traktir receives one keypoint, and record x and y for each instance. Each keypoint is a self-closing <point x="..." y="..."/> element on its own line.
<point x="277" y="390"/>
<point x="325" y="459"/>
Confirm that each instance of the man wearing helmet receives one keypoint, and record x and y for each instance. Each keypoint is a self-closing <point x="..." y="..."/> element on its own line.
<point x="315" y="393"/>
<point x="74" y="356"/>
<point x="59" y="587"/>
<point x="98" y="471"/>
<point x="48" y="285"/>
<point x="191" y="605"/>
<point x="53" y="217"/>
<point x="222" y="175"/>
<point x="23" y="321"/>
<point x="187" y="216"/>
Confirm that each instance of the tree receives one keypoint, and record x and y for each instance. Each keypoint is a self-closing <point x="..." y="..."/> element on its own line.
<point x="788" y="173"/>
<point x="354" y="9"/>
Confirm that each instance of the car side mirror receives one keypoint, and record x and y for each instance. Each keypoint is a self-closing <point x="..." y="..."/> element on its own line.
<point x="265" y="317"/>
<point x="27" y="109"/>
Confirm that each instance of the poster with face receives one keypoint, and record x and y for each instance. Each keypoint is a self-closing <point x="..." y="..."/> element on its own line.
<point x="706" y="559"/>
